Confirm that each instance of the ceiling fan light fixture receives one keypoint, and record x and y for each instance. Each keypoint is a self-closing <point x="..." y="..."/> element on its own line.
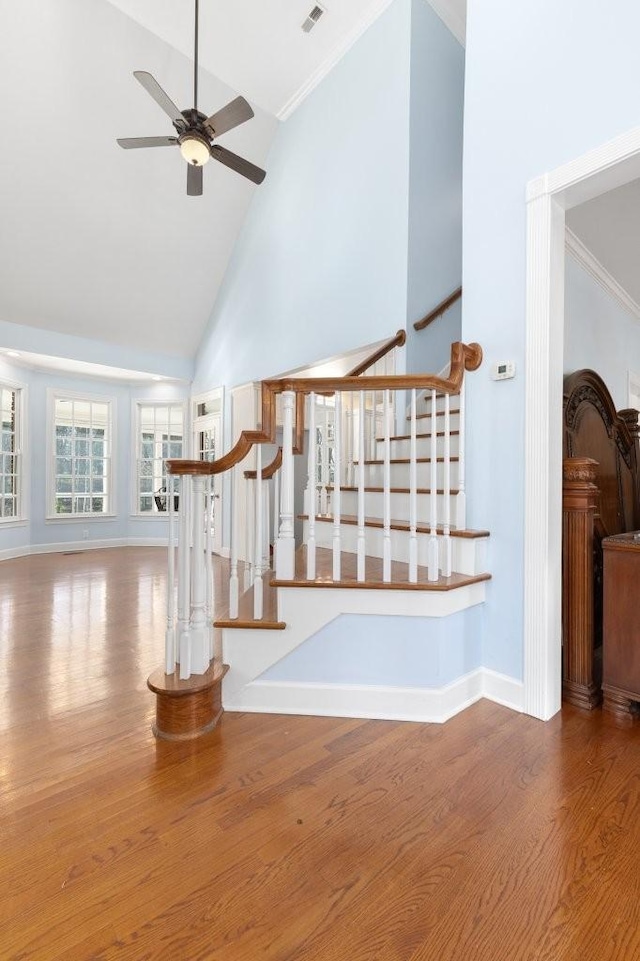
<point x="194" y="149"/>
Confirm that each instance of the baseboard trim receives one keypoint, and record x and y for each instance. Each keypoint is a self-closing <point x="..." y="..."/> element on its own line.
<point x="12" y="552"/>
<point x="66" y="547"/>
<point x="421" y="704"/>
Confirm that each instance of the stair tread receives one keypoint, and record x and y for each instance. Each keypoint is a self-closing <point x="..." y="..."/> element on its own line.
<point x="373" y="567"/>
<point x="440" y="433"/>
<point x="439" y="413"/>
<point x="392" y="490"/>
<point x="245" y="619"/>
<point x="407" y="460"/>
<point x="422" y="527"/>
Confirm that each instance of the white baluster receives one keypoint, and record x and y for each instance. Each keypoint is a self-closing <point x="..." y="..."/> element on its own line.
<point x="461" y="499"/>
<point x="311" y="491"/>
<point x="258" y="568"/>
<point x="184" y="581"/>
<point x="276" y="518"/>
<point x="199" y="641"/>
<point x="386" y="536"/>
<point x="249" y="518"/>
<point x="324" y="461"/>
<point x="337" y="480"/>
<point x="349" y="445"/>
<point x="286" y="542"/>
<point x="413" y="494"/>
<point x="446" y="548"/>
<point x="234" y="586"/>
<point x="266" y="526"/>
<point x="170" y="633"/>
<point x="433" y="559"/>
<point x="373" y="426"/>
<point x="208" y="566"/>
<point x="362" y="543"/>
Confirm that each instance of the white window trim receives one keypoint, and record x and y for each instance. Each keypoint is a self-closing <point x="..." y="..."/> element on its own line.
<point x="217" y="393"/>
<point x="136" y="403"/>
<point x="54" y="394"/>
<point x="24" y="477"/>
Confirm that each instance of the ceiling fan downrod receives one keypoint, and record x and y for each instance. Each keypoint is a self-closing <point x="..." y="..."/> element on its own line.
<point x="195" y="63"/>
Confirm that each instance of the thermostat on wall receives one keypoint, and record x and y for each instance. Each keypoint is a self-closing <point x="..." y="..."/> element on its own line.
<point x="503" y="370"/>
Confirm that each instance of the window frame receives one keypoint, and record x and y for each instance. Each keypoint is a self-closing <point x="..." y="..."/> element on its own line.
<point x="21" y="434"/>
<point x="54" y="394"/>
<point x="136" y="404"/>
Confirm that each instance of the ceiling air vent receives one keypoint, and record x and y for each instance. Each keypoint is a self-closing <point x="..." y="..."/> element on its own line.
<point x="312" y="19"/>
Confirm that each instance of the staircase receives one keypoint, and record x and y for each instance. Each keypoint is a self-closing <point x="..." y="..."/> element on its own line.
<point x="384" y="534"/>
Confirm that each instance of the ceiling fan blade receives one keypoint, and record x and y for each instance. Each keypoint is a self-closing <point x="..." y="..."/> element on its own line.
<point x="130" y="143"/>
<point x="239" y="164"/>
<point x="194" y="181"/>
<point x="153" y="88"/>
<point x="235" y="113"/>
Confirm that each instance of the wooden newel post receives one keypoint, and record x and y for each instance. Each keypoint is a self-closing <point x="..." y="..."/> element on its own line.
<point x="579" y="505"/>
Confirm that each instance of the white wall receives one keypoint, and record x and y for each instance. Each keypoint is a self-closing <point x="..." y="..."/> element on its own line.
<point x="598" y="333"/>
<point x="545" y="82"/>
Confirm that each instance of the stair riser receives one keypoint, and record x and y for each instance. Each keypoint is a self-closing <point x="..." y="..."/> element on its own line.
<point x="374" y="475"/>
<point x="468" y="555"/>
<point x="374" y="504"/>
<point x="424" y="423"/>
<point x="402" y="448"/>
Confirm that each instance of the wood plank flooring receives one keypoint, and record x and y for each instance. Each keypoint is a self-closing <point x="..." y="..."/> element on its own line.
<point x="492" y="838"/>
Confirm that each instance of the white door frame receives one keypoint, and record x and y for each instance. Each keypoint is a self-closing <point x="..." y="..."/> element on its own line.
<point x="548" y="197"/>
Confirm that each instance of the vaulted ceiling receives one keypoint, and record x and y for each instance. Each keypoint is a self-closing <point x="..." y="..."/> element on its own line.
<point x="99" y="242"/>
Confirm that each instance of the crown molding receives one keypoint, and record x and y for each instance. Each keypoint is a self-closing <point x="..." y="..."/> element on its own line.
<point x="338" y="52"/>
<point x="583" y="256"/>
<point x="445" y="9"/>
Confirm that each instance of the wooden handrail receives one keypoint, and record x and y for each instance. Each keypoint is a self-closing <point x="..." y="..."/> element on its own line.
<point x="463" y="357"/>
<point x="381" y="352"/>
<point x="269" y="470"/>
<point x="439" y="310"/>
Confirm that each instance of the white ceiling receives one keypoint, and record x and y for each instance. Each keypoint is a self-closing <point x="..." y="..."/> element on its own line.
<point x="609" y="226"/>
<point x="103" y="243"/>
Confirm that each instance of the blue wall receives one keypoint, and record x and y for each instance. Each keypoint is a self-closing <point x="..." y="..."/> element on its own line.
<point x="394" y="651"/>
<point x="599" y="333"/>
<point x="545" y="82"/>
<point x="435" y="186"/>
<point x="38" y="531"/>
<point x="321" y="263"/>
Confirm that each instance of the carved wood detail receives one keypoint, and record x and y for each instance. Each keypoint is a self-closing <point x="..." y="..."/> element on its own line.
<point x="600" y="499"/>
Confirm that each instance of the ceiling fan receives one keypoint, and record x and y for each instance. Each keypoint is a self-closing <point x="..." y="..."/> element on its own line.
<point x="196" y="132"/>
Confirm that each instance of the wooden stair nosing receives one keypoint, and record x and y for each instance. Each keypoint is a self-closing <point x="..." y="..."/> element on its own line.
<point x="407" y="460"/>
<point x="442" y="584"/>
<point x="439" y="413"/>
<point x="238" y="624"/>
<point x="396" y="525"/>
<point x="440" y="433"/>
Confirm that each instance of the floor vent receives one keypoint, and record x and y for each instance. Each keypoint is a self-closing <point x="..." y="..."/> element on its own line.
<point x="312" y="19"/>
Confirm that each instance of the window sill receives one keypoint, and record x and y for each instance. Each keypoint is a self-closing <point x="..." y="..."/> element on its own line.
<point x="13" y="522"/>
<point x="80" y="518"/>
<point x="158" y="515"/>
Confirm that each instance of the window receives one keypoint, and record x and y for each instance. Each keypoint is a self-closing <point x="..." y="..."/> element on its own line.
<point x="82" y="458"/>
<point x="160" y="436"/>
<point x="11" y="455"/>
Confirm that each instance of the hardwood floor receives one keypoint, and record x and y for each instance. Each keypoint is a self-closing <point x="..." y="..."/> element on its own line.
<point x="492" y="837"/>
